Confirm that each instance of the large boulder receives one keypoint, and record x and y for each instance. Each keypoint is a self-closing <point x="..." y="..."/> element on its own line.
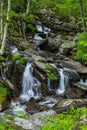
<point x="66" y="47"/>
<point x="75" y="65"/>
<point x="72" y="74"/>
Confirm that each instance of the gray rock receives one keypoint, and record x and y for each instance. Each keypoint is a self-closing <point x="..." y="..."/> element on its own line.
<point x="66" y="47"/>
<point x="72" y="74"/>
<point x="35" y="122"/>
<point x="82" y="86"/>
<point x="75" y="65"/>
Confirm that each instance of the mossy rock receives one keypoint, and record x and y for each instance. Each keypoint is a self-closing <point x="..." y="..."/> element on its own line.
<point x="44" y="89"/>
<point x="52" y="75"/>
<point x="16" y="57"/>
<point x="7" y="53"/>
<point x="2" y="59"/>
<point x="13" y="39"/>
<point x="30" y="27"/>
<point x="3" y="94"/>
<point x="22" y="61"/>
<point x="8" y="123"/>
<point x="22" y="46"/>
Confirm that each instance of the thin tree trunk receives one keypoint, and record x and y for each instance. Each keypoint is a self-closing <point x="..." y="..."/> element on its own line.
<point x="1" y="18"/>
<point x="28" y="5"/>
<point x="82" y="15"/>
<point x="24" y="25"/>
<point x="5" y="29"/>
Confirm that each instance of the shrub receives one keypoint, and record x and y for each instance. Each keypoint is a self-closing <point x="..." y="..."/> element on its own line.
<point x="67" y="120"/>
<point x="81" y="53"/>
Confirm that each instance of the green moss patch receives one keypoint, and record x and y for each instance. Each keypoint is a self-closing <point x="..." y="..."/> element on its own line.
<point x="19" y="59"/>
<point x="16" y="57"/>
<point x="3" y="94"/>
<point x="2" y="59"/>
<point x="44" y="89"/>
<point x="52" y="75"/>
<point x="22" y="60"/>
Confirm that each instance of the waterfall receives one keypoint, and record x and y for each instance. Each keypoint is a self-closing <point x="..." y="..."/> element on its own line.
<point x="30" y="85"/>
<point x="63" y="80"/>
<point x="62" y="83"/>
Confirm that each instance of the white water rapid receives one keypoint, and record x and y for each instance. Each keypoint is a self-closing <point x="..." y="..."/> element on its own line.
<point x="30" y="85"/>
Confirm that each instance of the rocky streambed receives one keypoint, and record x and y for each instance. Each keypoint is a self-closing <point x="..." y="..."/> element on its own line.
<point x="58" y="81"/>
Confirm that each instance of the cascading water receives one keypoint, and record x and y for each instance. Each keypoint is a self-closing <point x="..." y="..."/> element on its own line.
<point x="31" y="86"/>
<point x="63" y="82"/>
<point x="48" y="84"/>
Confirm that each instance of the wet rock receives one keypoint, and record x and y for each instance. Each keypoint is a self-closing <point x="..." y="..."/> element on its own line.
<point x="81" y="86"/>
<point x="75" y="65"/>
<point x="49" y="102"/>
<point x="23" y="45"/>
<point x="32" y="106"/>
<point x="73" y="75"/>
<point x="41" y="66"/>
<point x="65" y="104"/>
<point x="74" y="92"/>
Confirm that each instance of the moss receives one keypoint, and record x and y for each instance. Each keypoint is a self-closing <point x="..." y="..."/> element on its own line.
<point x="13" y="39"/>
<point x="5" y="125"/>
<point x="3" y="90"/>
<point x="23" y="115"/>
<point x="16" y="57"/>
<point x="52" y="75"/>
<point x="30" y="27"/>
<point x="2" y="59"/>
<point x="44" y="89"/>
<point x="49" y="67"/>
<point x="7" y="53"/>
<point x="22" y="60"/>
<point x="9" y="117"/>
<point x="21" y="47"/>
<point x="3" y="94"/>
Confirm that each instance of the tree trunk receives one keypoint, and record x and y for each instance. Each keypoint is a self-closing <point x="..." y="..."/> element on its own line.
<point x="5" y="29"/>
<point x="1" y="18"/>
<point x="23" y="23"/>
<point x="28" y="5"/>
<point x="82" y="15"/>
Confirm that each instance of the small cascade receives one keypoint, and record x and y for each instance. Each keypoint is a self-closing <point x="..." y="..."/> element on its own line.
<point x="63" y="82"/>
<point x="41" y="35"/>
<point x="83" y="82"/>
<point x="17" y="107"/>
<point x="48" y="102"/>
<point x="13" y="49"/>
<point x="64" y="79"/>
<point x="30" y="86"/>
<point x="48" y="84"/>
<point x="39" y="27"/>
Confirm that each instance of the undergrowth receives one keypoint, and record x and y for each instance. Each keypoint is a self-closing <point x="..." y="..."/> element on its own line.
<point x="70" y="120"/>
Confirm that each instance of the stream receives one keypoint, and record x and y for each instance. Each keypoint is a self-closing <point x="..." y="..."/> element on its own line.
<point x="31" y="86"/>
<point x="32" y="100"/>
